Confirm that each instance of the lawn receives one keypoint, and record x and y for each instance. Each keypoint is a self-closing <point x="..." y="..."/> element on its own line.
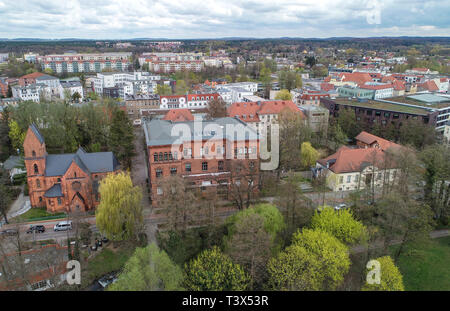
<point x="426" y="266"/>
<point x="34" y="213"/>
<point x="109" y="259"/>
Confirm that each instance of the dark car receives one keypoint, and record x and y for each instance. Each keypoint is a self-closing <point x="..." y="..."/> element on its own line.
<point x="9" y="232"/>
<point x="37" y="229"/>
<point x="105" y="240"/>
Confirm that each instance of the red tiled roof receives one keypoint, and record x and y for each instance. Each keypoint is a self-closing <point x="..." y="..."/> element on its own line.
<point x="179" y="115"/>
<point x="251" y="110"/>
<point x="360" y="78"/>
<point x="33" y="75"/>
<point x="326" y="87"/>
<point x="376" y="87"/>
<point x="429" y="85"/>
<point x="347" y="160"/>
<point x="420" y="69"/>
<point x="371" y="139"/>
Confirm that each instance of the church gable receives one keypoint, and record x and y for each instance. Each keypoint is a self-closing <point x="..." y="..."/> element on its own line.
<point x="75" y="171"/>
<point x="34" y="145"/>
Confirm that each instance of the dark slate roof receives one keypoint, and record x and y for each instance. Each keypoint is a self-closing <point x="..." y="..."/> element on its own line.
<point x="97" y="162"/>
<point x="54" y="191"/>
<point x="159" y="132"/>
<point x="12" y="162"/>
<point x="37" y="133"/>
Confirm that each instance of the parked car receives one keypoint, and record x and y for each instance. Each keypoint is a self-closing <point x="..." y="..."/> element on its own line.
<point x="107" y="280"/>
<point x="37" y="229"/>
<point x="94" y="247"/>
<point x="9" y="232"/>
<point x="63" y="226"/>
<point x="340" y="206"/>
<point x="105" y="240"/>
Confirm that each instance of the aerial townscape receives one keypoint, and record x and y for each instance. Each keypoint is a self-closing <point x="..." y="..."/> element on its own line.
<point x="189" y="162"/>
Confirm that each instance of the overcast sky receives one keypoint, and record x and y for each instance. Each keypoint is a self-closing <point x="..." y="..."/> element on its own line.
<point x="125" y="19"/>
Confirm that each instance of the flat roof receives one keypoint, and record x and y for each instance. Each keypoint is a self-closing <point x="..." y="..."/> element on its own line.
<point x="377" y="105"/>
<point x="422" y="100"/>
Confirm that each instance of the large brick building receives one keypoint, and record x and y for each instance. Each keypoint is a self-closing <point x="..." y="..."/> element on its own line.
<point x="204" y="152"/>
<point x="64" y="182"/>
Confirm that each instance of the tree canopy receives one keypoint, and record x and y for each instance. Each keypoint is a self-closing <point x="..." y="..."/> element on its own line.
<point x="149" y="269"/>
<point x="340" y="224"/>
<point x="119" y="214"/>
<point x="390" y="277"/>
<point x="214" y="271"/>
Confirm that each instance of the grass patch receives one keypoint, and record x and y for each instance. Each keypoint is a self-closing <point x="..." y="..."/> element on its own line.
<point x="106" y="261"/>
<point x="34" y="213"/>
<point x="425" y="265"/>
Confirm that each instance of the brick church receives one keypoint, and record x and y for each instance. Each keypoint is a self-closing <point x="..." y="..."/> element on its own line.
<point x="64" y="182"/>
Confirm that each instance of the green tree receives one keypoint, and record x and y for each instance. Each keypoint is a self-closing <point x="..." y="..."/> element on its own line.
<point x="181" y="88"/>
<point x="214" y="271"/>
<point x="119" y="214"/>
<point x="283" y="95"/>
<point x="48" y="71"/>
<point x="390" y="279"/>
<point x="162" y="89"/>
<point x="16" y="135"/>
<point x="121" y="138"/>
<point x="273" y="219"/>
<point x="308" y="155"/>
<point x="315" y="261"/>
<point x="149" y="269"/>
<point x="340" y="224"/>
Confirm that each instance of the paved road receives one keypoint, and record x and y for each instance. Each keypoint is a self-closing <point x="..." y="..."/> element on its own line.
<point x="151" y="221"/>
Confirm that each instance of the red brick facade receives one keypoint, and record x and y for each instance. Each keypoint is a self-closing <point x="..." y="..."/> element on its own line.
<point x="74" y="188"/>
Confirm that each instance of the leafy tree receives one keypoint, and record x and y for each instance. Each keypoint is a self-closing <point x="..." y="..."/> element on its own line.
<point x="249" y="246"/>
<point x="283" y="95"/>
<point x="162" y="89"/>
<point x="48" y="71"/>
<point x="149" y="269"/>
<point x="121" y="138"/>
<point x="340" y="224"/>
<point x="181" y="88"/>
<point x="337" y="136"/>
<point x="390" y="279"/>
<point x="315" y="261"/>
<point x="273" y="219"/>
<point x="119" y="214"/>
<point x="214" y="271"/>
<point x="308" y="155"/>
<point x="76" y="97"/>
<point x="16" y="135"/>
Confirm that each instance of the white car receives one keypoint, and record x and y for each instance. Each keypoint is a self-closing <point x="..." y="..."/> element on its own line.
<point x="340" y="206"/>
<point x="63" y="226"/>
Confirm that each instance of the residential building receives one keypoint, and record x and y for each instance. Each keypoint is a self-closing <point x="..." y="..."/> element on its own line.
<point x="64" y="182"/>
<point x="72" y="87"/>
<point x="136" y="104"/>
<point x="71" y="62"/>
<point x="260" y="115"/>
<point x="35" y="269"/>
<point x="316" y="117"/>
<point x="30" y="78"/>
<point x="4" y="57"/>
<point x="206" y="153"/>
<point x="364" y="166"/>
<point x="235" y="92"/>
<point x="381" y="90"/>
<point x="172" y="62"/>
<point x="30" y="92"/>
<point x="191" y="101"/>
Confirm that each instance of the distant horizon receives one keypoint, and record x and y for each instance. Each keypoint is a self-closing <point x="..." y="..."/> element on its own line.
<point x="220" y="38"/>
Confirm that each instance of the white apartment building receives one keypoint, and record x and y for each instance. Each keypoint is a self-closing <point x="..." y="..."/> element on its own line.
<point x="30" y="92"/>
<point x="72" y="87"/>
<point x="237" y="91"/>
<point x="70" y="62"/>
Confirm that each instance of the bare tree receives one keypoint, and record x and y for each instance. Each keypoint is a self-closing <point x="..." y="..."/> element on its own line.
<point x="217" y="108"/>
<point x="244" y="182"/>
<point x="250" y="247"/>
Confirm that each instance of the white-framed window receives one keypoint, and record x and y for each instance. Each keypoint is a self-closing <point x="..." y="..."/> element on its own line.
<point x="159" y="191"/>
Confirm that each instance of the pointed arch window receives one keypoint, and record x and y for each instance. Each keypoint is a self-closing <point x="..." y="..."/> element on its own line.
<point x="33" y="153"/>
<point x="36" y="169"/>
